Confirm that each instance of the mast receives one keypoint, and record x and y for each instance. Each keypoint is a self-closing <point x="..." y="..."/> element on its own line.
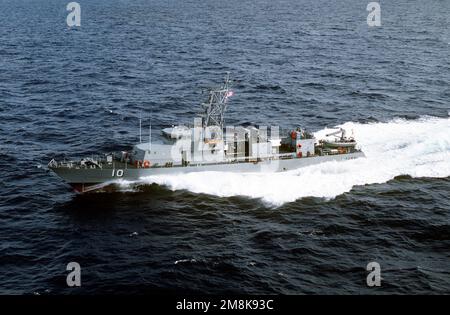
<point x="140" y="128"/>
<point x="214" y="108"/>
<point x="150" y="137"/>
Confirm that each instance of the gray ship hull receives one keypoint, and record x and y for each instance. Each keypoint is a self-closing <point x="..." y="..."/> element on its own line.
<point x="87" y="179"/>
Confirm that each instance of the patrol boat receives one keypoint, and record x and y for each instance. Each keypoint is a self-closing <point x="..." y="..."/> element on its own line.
<point x="208" y="146"/>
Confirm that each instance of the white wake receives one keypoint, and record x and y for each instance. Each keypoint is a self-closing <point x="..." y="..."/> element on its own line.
<point x="419" y="148"/>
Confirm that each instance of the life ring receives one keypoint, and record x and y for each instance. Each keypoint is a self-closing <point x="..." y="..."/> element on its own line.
<point x="299" y="145"/>
<point x="146" y="164"/>
<point x="293" y="135"/>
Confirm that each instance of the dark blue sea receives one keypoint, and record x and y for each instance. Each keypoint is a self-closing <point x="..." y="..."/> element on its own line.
<point x="73" y="92"/>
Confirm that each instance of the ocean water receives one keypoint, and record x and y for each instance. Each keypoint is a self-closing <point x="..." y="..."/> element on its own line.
<point x="72" y="92"/>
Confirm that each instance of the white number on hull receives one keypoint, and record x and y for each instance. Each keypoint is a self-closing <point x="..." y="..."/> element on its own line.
<point x="118" y="173"/>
